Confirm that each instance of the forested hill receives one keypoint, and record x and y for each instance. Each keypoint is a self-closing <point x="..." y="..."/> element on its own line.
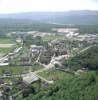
<point x="84" y="87"/>
<point x="87" y="59"/>
<point x="24" y="25"/>
<point x="71" y="17"/>
<point x="76" y="19"/>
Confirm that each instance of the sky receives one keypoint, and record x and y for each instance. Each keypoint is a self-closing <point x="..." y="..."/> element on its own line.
<point x="16" y="6"/>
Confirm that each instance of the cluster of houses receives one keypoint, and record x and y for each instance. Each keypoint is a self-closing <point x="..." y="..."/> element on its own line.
<point x="59" y="46"/>
<point x="90" y="38"/>
<point x="36" y="49"/>
<point x="24" y="61"/>
<point x="65" y="30"/>
<point x="5" y="60"/>
<point x="34" y="33"/>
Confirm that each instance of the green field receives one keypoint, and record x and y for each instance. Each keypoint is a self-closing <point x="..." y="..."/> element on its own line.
<point x="5" y="50"/>
<point x="6" y="40"/>
<point x="52" y="37"/>
<point x="8" y="49"/>
<point x="52" y="74"/>
<point x="36" y="67"/>
<point x="15" y="69"/>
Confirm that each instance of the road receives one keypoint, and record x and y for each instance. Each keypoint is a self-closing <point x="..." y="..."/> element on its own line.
<point x="49" y="82"/>
<point x="85" y="49"/>
<point x="54" y="60"/>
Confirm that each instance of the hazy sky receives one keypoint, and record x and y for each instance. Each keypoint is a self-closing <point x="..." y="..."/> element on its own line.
<point x="14" y="6"/>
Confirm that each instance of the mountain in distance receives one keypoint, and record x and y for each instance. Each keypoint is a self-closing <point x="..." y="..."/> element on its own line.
<point x="67" y="17"/>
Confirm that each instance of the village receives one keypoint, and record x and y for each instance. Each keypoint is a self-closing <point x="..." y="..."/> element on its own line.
<point x="37" y="58"/>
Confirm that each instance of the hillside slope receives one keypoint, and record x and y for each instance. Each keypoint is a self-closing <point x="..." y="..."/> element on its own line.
<point x="81" y="87"/>
<point x="87" y="59"/>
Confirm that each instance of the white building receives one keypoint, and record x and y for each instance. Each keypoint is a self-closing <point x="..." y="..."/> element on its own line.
<point x="30" y="78"/>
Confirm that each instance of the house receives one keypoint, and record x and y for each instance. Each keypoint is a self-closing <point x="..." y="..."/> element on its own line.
<point x="4" y="64"/>
<point x="8" y="72"/>
<point x="65" y="30"/>
<point x="15" y="53"/>
<point x="25" y="61"/>
<point x="4" y="59"/>
<point x="17" y="50"/>
<point x="11" y="56"/>
<point x="30" y="78"/>
<point x="1" y="81"/>
<point x="36" y="49"/>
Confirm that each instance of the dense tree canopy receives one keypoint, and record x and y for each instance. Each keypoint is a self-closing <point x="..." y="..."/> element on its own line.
<point x="24" y="25"/>
<point x="30" y="40"/>
<point x="84" y="87"/>
<point x="87" y="59"/>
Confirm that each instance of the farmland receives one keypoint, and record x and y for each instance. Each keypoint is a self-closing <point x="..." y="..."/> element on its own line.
<point x="6" y="45"/>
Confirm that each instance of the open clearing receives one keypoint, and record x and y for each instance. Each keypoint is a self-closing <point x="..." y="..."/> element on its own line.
<point x="6" y="41"/>
<point x="52" y="37"/>
<point x="1" y="54"/>
<point x="5" y="50"/>
<point x="14" y="69"/>
<point x="6" y="45"/>
<point x="54" y="74"/>
<point x="36" y="67"/>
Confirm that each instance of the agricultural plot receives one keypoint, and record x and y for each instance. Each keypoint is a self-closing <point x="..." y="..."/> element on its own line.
<point x="6" y="45"/>
<point x="4" y="50"/>
<point x="6" y="41"/>
<point x="52" y="37"/>
<point x="16" y="70"/>
<point x="36" y="67"/>
<point x="49" y="75"/>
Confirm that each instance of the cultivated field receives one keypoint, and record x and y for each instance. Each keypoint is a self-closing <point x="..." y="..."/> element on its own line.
<point x="6" y="41"/>
<point x="6" y="45"/>
<point x="52" y="37"/>
<point x="54" y="74"/>
<point x="16" y="70"/>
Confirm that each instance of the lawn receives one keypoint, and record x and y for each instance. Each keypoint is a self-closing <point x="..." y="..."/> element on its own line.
<point x="15" y="69"/>
<point x="8" y="49"/>
<point x="6" y="45"/>
<point x="5" y="50"/>
<point x="52" y="74"/>
<point x="6" y="41"/>
<point x="52" y="37"/>
<point x="36" y="67"/>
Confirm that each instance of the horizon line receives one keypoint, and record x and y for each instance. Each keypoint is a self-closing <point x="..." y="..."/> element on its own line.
<point x="49" y="11"/>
